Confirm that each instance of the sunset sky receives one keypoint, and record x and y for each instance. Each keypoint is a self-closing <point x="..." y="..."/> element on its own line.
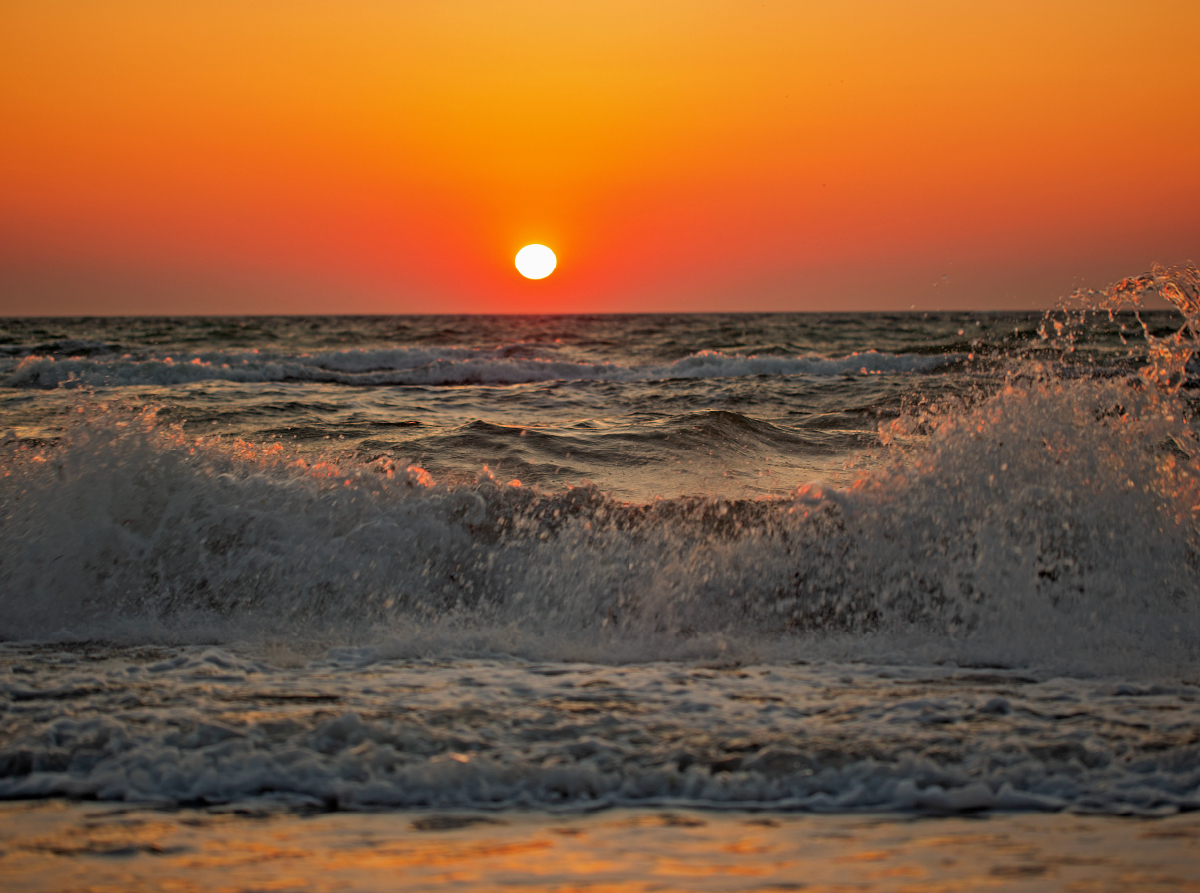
<point x="362" y="156"/>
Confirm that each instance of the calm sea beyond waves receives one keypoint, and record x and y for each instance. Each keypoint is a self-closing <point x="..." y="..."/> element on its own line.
<point x="554" y="587"/>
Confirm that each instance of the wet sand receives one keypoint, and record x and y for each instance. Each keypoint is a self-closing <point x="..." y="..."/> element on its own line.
<point x="53" y="845"/>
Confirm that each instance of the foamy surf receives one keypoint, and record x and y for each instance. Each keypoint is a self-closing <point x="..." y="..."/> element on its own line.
<point x="1038" y="526"/>
<point x="348" y="600"/>
<point x="353" y="731"/>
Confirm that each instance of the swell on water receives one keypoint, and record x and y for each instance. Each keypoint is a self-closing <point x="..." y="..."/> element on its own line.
<point x="69" y="365"/>
<point x="1051" y="521"/>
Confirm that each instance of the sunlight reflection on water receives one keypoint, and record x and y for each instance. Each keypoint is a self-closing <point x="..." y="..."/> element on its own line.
<point x="54" y="846"/>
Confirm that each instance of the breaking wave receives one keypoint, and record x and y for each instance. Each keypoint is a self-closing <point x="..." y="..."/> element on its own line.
<point x="201" y="620"/>
<point x="1052" y="519"/>
<point x="1053" y="522"/>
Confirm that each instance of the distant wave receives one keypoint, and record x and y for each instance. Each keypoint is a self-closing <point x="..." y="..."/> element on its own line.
<point x="430" y="367"/>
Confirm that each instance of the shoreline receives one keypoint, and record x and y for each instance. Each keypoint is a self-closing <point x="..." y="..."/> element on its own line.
<point x="70" y="846"/>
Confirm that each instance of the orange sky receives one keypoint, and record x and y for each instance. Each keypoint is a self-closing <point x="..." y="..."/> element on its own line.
<point x="294" y="156"/>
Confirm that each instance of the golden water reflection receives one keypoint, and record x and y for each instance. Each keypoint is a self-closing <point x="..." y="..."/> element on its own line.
<point x="71" y="847"/>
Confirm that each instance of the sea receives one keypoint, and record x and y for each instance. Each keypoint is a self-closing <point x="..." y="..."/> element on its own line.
<point x="637" y="602"/>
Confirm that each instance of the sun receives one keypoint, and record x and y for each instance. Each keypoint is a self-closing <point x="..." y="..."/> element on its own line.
<point x="536" y="261"/>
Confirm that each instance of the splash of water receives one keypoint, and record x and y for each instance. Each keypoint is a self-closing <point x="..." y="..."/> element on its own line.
<point x="1178" y="287"/>
<point x="1052" y="519"/>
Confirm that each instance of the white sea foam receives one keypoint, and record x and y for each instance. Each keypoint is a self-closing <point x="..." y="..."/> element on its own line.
<point x="1001" y="612"/>
<point x="1040" y="527"/>
<point x="205" y="726"/>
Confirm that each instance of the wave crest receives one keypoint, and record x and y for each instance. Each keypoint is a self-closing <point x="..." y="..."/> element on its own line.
<point x="1054" y="522"/>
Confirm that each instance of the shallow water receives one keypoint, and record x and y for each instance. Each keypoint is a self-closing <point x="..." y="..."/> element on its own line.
<point x="96" y="848"/>
<point x="357" y="731"/>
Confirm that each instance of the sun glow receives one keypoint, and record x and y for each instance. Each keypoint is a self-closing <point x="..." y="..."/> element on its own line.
<point x="536" y="261"/>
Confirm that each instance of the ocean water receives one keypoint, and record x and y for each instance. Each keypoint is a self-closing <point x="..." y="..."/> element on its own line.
<point x="909" y="564"/>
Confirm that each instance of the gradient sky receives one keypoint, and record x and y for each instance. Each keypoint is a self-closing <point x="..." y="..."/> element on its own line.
<point x="296" y="156"/>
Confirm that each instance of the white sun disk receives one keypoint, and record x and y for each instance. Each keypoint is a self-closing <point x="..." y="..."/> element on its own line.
<point x="536" y="261"/>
